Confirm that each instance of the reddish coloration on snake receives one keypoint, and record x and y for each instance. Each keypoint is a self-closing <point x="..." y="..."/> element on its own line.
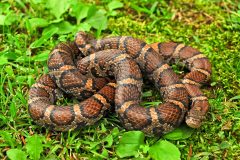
<point x="44" y="93"/>
<point x="154" y="120"/>
<point x="197" y="63"/>
<point x="63" y="71"/>
<point x="118" y="57"/>
<point x="200" y="72"/>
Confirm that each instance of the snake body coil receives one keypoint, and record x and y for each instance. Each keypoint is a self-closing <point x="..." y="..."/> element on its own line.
<point x="123" y="58"/>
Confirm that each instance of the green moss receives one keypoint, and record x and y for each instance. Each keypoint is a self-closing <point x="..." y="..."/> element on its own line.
<point x="211" y="26"/>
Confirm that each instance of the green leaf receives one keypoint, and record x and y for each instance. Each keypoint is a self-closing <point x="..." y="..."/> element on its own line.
<point x="2" y="19"/>
<point x="183" y="132"/>
<point x="114" y="5"/>
<point x="235" y="98"/>
<point x="3" y="60"/>
<point x="105" y="153"/>
<point x="14" y="154"/>
<point x="63" y="27"/>
<point x="98" y="20"/>
<point x="129" y="143"/>
<point x="91" y="11"/>
<point x="10" y="55"/>
<point x="58" y="7"/>
<point x="21" y="79"/>
<point x="225" y="144"/>
<point x="163" y="150"/>
<point x="7" y="137"/>
<point x="11" y="18"/>
<point x="154" y="6"/>
<point x="9" y="71"/>
<point x="84" y="27"/>
<point x="144" y="148"/>
<point x="38" y="22"/>
<point x="79" y="10"/>
<point x="109" y="140"/>
<point x="34" y="146"/>
<point x="13" y="109"/>
<point x="44" y="38"/>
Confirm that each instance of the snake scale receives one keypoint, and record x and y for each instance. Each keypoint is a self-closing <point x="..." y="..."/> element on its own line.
<point x="81" y="68"/>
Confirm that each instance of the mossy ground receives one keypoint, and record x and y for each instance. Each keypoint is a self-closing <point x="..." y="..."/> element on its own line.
<point x="211" y="26"/>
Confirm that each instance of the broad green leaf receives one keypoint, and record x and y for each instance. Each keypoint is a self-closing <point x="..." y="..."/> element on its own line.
<point x="16" y="154"/>
<point x="129" y="143"/>
<point x="91" y="11"/>
<point x="63" y="27"/>
<point x="98" y="20"/>
<point x="3" y="60"/>
<point x="163" y="150"/>
<point x="182" y="132"/>
<point x="84" y="27"/>
<point x="2" y="19"/>
<point x="44" y="38"/>
<point x="114" y="5"/>
<point x="58" y="7"/>
<point x="34" y="146"/>
<point x="38" y="22"/>
<point x="79" y="10"/>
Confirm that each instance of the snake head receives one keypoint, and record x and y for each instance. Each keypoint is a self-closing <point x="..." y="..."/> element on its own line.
<point x="82" y="38"/>
<point x="83" y="42"/>
<point x="194" y="119"/>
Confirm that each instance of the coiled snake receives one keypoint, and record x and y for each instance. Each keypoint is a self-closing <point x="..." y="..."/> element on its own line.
<point x="125" y="59"/>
